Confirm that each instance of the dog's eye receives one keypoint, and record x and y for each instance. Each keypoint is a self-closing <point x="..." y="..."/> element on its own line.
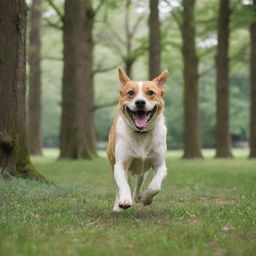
<point x="150" y="93"/>
<point x="130" y="93"/>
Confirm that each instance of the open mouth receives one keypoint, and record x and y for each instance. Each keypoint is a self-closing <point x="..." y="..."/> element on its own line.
<point x="140" y="117"/>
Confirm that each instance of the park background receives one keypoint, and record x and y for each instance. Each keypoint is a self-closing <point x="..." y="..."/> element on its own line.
<point x="57" y="190"/>
<point x="120" y="34"/>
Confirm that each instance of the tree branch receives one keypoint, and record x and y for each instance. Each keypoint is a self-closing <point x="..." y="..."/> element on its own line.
<point x="52" y="58"/>
<point x="52" y="24"/>
<point x="177" y="19"/>
<point x="127" y="27"/>
<point x="205" y="72"/>
<point x="136" y="25"/>
<point x="97" y="9"/>
<point x="105" y="105"/>
<point x="55" y="8"/>
<point x="207" y="51"/>
<point x="174" y="14"/>
<point x="240" y="55"/>
<point x="234" y="7"/>
<point x="116" y="35"/>
<point x="105" y="69"/>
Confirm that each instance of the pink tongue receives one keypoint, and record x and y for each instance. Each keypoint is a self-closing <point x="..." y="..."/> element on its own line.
<point x="141" y="120"/>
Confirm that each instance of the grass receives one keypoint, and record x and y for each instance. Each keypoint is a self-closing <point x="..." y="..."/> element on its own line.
<point x="206" y="207"/>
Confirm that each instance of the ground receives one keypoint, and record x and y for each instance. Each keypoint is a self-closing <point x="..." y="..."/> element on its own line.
<point x="206" y="207"/>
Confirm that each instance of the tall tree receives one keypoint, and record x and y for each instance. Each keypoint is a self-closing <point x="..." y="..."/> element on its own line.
<point x="192" y="145"/>
<point x="77" y="138"/>
<point x="222" y="88"/>
<point x="253" y="85"/>
<point x="14" y="157"/>
<point x="34" y="106"/>
<point x="154" y="40"/>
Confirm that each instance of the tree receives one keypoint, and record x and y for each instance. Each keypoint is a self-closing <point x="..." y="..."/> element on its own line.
<point x="154" y="40"/>
<point x="77" y="139"/>
<point x="125" y="44"/>
<point x="14" y="157"/>
<point x="34" y="106"/>
<point x="192" y="147"/>
<point x="222" y="88"/>
<point x="253" y="85"/>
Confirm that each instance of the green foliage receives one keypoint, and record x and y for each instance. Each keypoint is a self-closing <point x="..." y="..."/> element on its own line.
<point x="206" y="207"/>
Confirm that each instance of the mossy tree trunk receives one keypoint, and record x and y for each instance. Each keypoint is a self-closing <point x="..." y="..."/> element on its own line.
<point x="77" y="138"/>
<point x="253" y="86"/>
<point x="222" y="88"/>
<point x="34" y="106"/>
<point x="192" y="142"/>
<point x="14" y="157"/>
<point x="154" y="40"/>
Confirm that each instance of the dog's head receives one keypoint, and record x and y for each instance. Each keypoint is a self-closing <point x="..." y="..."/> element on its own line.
<point x="141" y="102"/>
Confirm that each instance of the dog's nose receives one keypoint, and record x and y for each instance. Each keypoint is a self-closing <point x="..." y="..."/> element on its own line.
<point x="140" y="103"/>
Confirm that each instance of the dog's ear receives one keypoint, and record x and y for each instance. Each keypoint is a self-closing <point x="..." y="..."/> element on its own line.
<point x="161" y="80"/>
<point x="122" y="76"/>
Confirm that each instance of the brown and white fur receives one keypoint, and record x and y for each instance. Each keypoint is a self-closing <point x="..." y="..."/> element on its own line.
<point x="137" y="139"/>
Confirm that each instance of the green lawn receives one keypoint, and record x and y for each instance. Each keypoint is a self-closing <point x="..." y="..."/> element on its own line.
<point x="206" y="207"/>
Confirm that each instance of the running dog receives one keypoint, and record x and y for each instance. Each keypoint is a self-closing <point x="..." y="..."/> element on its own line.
<point x="137" y="139"/>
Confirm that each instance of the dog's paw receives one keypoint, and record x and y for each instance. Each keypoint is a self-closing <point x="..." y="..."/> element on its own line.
<point x="125" y="204"/>
<point x="138" y="198"/>
<point x="147" y="201"/>
<point x="116" y="209"/>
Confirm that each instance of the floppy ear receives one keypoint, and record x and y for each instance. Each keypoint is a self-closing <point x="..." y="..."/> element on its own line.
<point x="122" y="76"/>
<point x="161" y="80"/>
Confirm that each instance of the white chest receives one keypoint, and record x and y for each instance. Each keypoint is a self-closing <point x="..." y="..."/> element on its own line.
<point x="140" y="151"/>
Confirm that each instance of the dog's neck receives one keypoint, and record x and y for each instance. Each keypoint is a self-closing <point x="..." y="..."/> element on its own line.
<point x="142" y="131"/>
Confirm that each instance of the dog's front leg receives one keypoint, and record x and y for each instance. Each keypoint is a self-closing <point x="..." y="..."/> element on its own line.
<point x="154" y="186"/>
<point x="116" y="204"/>
<point x="124" y="192"/>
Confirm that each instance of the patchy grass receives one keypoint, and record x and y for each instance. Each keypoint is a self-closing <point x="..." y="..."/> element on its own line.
<point x="207" y="207"/>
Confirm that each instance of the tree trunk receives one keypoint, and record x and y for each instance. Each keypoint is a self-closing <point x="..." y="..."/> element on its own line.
<point x="192" y="148"/>
<point x="77" y="138"/>
<point x="222" y="88"/>
<point x="89" y="122"/>
<point x="128" y="66"/>
<point x="253" y="88"/>
<point x="34" y="107"/>
<point x="154" y="40"/>
<point x="14" y="157"/>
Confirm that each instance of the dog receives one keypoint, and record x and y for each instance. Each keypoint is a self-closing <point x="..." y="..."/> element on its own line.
<point x="137" y="139"/>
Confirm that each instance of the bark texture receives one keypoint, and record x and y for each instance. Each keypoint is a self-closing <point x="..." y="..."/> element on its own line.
<point x="128" y="62"/>
<point x="192" y="145"/>
<point x="77" y="138"/>
<point x="154" y="40"/>
<point x="253" y="87"/>
<point x="222" y="88"/>
<point x="34" y="106"/>
<point x="14" y="157"/>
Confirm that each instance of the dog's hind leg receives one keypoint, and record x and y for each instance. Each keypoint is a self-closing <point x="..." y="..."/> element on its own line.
<point x="154" y="186"/>
<point x="138" y="193"/>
